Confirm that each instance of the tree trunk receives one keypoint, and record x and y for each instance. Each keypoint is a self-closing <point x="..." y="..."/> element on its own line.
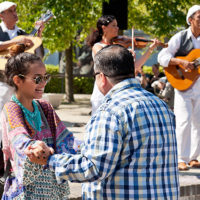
<point x="69" y="75"/>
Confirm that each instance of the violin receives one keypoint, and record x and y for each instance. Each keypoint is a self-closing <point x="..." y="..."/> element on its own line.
<point x="139" y="42"/>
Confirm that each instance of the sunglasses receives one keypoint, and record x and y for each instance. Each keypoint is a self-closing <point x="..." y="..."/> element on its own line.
<point x="38" y="79"/>
<point x="95" y="74"/>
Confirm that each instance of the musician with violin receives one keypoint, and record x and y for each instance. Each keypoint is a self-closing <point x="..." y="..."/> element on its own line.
<point x="107" y="34"/>
<point x="179" y="69"/>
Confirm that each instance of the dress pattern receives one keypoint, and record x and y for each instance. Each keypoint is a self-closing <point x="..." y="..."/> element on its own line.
<point x="28" y="180"/>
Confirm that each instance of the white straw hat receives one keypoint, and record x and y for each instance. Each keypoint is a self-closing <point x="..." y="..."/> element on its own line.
<point x="191" y="11"/>
<point x="6" y="5"/>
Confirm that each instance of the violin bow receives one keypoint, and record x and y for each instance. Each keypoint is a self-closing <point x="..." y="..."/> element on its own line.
<point x="133" y="39"/>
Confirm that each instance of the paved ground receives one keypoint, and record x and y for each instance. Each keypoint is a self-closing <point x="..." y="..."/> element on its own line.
<point x="76" y="115"/>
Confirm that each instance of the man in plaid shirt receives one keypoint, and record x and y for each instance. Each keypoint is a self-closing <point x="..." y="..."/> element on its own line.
<point x="130" y="149"/>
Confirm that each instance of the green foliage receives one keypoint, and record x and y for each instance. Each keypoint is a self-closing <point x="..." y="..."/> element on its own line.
<point x="148" y="69"/>
<point x="72" y="16"/>
<point x="82" y="85"/>
<point x="74" y="19"/>
<point x="157" y="17"/>
<point x="57" y="83"/>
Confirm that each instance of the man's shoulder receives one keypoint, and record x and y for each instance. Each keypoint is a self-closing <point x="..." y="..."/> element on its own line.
<point x="135" y="102"/>
<point x="123" y="99"/>
<point x="180" y="33"/>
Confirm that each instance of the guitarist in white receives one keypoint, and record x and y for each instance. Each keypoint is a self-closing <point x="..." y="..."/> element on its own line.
<point x="8" y="28"/>
<point x="187" y="102"/>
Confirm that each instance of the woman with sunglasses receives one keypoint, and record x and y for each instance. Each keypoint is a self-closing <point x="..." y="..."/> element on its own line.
<point x="27" y="121"/>
<point x="107" y="29"/>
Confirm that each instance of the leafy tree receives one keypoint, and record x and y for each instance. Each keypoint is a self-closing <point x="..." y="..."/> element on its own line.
<point x="72" y="17"/>
<point x="159" y="18"/>
<point x="75" y="17"/>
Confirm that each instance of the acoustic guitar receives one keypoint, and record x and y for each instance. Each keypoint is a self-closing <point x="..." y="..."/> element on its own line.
<point x="181" y="79"/>
<point x="37" y="41"/>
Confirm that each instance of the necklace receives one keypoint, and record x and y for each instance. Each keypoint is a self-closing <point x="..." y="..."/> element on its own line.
<point x="30" y="116"/>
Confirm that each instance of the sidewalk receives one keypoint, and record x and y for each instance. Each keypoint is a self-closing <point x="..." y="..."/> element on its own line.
<point x="76" y="115"/>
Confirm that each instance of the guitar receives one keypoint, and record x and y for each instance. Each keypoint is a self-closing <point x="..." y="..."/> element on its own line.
<point x="37" y="41"/>
<point x="181" y="79"/>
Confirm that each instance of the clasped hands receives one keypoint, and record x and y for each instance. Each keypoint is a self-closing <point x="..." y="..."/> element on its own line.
<point x="39" y="152"/>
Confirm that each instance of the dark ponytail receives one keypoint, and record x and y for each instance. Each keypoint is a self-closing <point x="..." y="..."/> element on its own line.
<point x="96" y="35"/>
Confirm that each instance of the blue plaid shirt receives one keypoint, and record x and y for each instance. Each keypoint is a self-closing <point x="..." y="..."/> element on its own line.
<point x="130" y="149"/>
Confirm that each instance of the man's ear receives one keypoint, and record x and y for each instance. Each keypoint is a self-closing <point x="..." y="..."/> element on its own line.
<point x="17" y="80"/>
<point x="102" y="83"/>
<point x="106" y="85"/>
<point x="190" y="19"/>
<point x="103" y="79"/>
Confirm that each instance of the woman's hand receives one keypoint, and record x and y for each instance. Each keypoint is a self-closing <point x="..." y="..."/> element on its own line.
<point x="155" y="43"/>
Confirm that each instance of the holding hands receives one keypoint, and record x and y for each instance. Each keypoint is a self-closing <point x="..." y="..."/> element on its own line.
<point x="39" y="152"/>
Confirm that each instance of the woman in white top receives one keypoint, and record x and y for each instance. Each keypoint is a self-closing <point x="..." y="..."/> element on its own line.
<point x="107" y="29"/>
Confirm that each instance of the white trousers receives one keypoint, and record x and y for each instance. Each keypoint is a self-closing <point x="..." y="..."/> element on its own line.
<point x="187" y="111"/>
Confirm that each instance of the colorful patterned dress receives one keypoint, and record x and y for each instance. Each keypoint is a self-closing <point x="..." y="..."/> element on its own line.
<point x="27" y="180"/>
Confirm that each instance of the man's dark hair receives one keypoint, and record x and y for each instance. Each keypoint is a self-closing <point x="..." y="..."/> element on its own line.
<point x="115" y="62"/>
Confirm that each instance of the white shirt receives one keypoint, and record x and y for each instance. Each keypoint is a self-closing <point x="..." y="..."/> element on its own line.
<point x="173" y="46"/>
<point x="96" y="97"/>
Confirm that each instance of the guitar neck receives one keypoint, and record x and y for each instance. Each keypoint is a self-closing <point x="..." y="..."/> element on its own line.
<point x="46" y="17"/>
<point x="34" y="31"/>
